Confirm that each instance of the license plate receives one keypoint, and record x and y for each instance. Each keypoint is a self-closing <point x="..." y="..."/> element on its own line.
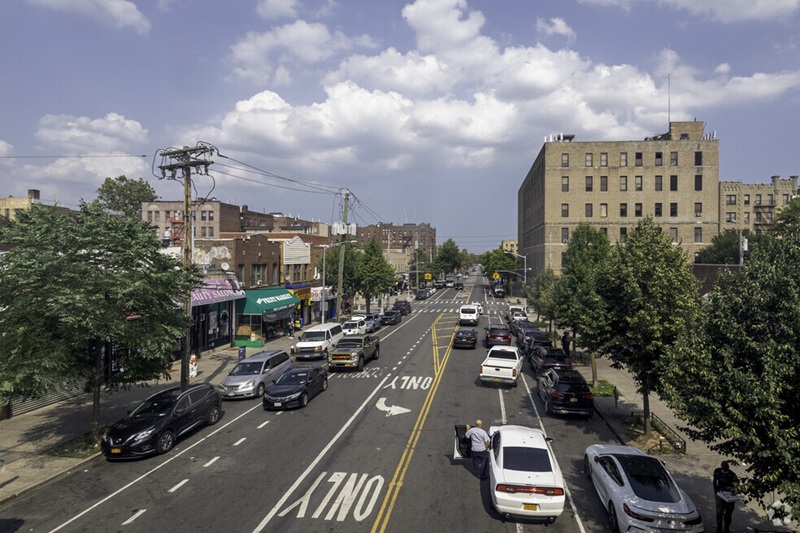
<point x="530" y="506"/>
<point x="231" y="394"/>
<point x="116" y="450"/>
<point x="573" y="399"/>
<point x="277" y="404"/>
<point x="497" y="379"/>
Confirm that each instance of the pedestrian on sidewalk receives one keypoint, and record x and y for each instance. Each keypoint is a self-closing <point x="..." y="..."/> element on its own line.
<point x="193" y="366"/>
<point x="724" y="484"/>
<point x="565" y="342"/>
<point x="479" y="447"/>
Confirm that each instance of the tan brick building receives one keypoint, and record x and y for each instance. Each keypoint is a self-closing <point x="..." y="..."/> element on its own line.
<point x="398" y="241"/>
<point x="612" y="185"/>
<point x="753" y="206"/>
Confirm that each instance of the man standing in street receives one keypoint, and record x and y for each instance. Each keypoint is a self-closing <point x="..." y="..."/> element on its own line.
<point x="724" y="484"/>
<point x="479" y="446"/>
<point x="565" y="342"/>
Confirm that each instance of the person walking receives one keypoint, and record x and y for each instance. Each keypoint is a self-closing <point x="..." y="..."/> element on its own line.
<point x="565" y="342"/>
<point x="724" y="484"/>
<point x="479" y="447"/>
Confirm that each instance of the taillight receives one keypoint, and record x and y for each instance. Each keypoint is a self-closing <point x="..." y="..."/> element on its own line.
<point x="637" y="516"/>
<point x="513" y="372"/>
<point x="588" y="396"/>
<point x="481" y="370"/>
<point x="694" y="521"/>
<point x="522" y="489"/>
<point x="556" y="394"/>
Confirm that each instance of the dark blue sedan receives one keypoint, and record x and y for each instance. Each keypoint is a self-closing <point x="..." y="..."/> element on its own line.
<point x="295" y="388"/>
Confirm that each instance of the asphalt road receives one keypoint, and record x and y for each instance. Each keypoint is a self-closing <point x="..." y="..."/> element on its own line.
<point x="375" y="452"/>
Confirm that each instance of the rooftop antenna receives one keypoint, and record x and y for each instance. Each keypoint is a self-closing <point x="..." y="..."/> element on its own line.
<point x="669" y="99"/>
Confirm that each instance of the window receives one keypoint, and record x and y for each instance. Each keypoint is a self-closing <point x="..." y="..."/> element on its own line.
<point x="589" y="210"/>
<point x="659" y="210"/>
<point x="623" y="159"/>
<point x="604" y="183"/>
<point x="211" y="232"/>
<point x="603" y="159"/>
<point x="698" y="182"/>
<point x="673" y="183"/>
<point x="637" y="183"/>
<point x="659" y="161"/>
<point x="211" y="215"/>
<point x="746" y="217"/>
<point x="564" y="210"/>
<point x="604" y="231"/>
<point x="564" y="160"/>
<point x="758" y="199"/>
<point x="698" y="234"/>
<point x="730" y="199"/>
<point x="769" y="217"/>
<point x="731" y="216"/>
<point x="758" y="217"/>
<point x="673" y="234"/>
<point x="604" y="210"/>
<point x="623" y="210"/>
<point x="659" y="183"/>
<point x="623" y="183"/>
<point x="637" y="210"/>
<point x="698" y="159"/>
<point x="698" y="209"/>
<point x="673" y="159"/>
<point x="623" y="235"/>
<point x="149" y="216"/>
<point x="746" y="199"/>
<point x="203" y="231"/>
<point x="638" y="161"/>
<point x="564" y="183"/>
<point x="673" y="209"/>
<point x="589" y="160"/>
<point x="564" y="235"/>
<point x="203" y="216"/>
<point x="588" y="184"/>
<point x="769" y="200"/>
<point x="785" y="199"/>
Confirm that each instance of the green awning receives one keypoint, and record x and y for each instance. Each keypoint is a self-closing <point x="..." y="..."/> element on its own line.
<point x="269" y="300"/>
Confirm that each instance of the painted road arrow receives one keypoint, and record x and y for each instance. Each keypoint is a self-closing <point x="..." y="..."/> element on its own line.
<point x="393" y="410"/>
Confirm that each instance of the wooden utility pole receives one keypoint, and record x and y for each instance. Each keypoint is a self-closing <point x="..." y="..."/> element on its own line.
<point x="186" y="159"/>
<point x="342" y="252"/>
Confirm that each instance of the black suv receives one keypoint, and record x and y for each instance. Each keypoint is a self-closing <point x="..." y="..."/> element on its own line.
<point x="156" y="423"/>
<point x="565" y="391"/>
<point x="542" y="358"/>
<point x="404" y="306"/>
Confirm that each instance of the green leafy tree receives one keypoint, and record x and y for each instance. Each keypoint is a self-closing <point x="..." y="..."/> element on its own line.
<point x="448" y="258"/>
<point x="420" y="263"/>
<point x="352" y="261"/>
<point x="734" y="378"/>
<point x="124" y="195"/>
<point x="651" y="298"/>
<point x="541" y="293"/>
<point x="724" y="247"/>
<point x="74" y="285"/>
<point x="375" y="274"/>
<point x="498" y="261"/>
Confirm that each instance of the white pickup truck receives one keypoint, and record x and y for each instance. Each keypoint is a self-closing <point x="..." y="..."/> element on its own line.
<point x="503" y="364"/>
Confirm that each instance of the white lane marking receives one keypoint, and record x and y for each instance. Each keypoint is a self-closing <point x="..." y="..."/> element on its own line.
<point x="136" y="515"/>
<point x="264" y="424"/>
<point x="566" y="488"/>
<point x="138" y="479"/>
<point x="319" y="457"/>
<point x="238" y="442"/>
<point x="502" y="406"/>
<point x="179" y="485"/>
<point x="211" y="462"/>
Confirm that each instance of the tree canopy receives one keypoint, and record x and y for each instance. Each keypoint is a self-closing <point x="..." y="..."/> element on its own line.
<point x="448" y="258"/>
<point x="375" y="274"/>
<point x="124" y="195"/>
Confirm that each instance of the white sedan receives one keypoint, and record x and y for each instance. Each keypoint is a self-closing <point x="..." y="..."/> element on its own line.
<point x="524" y="477"/>
<point x="479" y="306"/>
<point x="638" y="491"/>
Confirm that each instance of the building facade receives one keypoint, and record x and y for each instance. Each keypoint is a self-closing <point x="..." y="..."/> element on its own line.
<point x="753" y="206"/>
<point x="401" y="238"/>
<point x="611" y="185"/>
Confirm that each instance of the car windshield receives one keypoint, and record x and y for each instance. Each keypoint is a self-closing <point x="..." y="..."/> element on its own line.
<point x="524" y="459"/>
<point x="350" y="325"/>
<point x="465" y="333"/>
<point x="246" y="369"/>
<point x="648" y="478"/>
<point x="292" y="378"/>
<point x="312" y="336"/>
<point x="349" y="343"/>
<point x="155" y="407"/>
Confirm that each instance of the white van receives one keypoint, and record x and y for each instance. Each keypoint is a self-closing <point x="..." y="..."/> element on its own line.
<point x="468" y="315"/>
<point x="317" y="341"/>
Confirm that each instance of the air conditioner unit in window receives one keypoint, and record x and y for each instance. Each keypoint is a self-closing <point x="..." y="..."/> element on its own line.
<point x="698" y="214"/>
<point x="564" y="241"/>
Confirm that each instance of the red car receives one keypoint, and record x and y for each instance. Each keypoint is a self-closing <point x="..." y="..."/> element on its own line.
<point x="498" y="334"/>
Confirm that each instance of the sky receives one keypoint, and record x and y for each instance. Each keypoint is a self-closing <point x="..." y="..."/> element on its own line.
<point x="426" y="111"/>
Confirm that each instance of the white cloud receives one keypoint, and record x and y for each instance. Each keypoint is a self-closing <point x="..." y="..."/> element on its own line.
<point x="115" y="13"/>
<point x="81" y="135"/>
<point x="274" y="9"/>
<point x="724" y="11"/>
<point x="555" y="26"/>
<point x="722" y="68"/>
<point x="6" y="149"/>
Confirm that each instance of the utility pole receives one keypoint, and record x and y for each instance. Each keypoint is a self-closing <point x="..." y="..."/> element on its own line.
<point x="186" y="159"/>
<point x="342" y="253"/>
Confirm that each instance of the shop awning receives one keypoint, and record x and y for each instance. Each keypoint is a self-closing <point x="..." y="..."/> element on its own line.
<point x="216" y="290"/>
<point x="269" y="300"/>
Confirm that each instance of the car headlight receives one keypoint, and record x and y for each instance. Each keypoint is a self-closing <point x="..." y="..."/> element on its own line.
<point x="248" y="385"/>
<point x="143" y="435"/>
<point x="295" y="395"/>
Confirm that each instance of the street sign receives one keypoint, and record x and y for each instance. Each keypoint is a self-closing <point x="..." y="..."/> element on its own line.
<point x="495" y="276"/>
<point x="428" y="276"/>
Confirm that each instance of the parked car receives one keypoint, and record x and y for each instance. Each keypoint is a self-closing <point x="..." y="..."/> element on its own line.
<point x="317" y="341"/>
<point x="391" y="317"/>
<point x="404" y="306"/>
<point x="422" y="294"/>
<point x="373" y="321"/>
<point x="295" y="388"/>
<point x="638" y="491"/>
<point x="459" y="286"/>
<point x="515" y="325"/>
<point x="468" y="315"/>
<point x="499" y="291"/>
<point x="525" y="479"/>
<point x="157" y="423"/>
<point x="565" y="391"/>
<point x="503" y="364"/>
<point x="513" y="309"/>
<point x="251" y="377"/>
<point x="439" y="284"/>
<point x="497" y="334"/>
<point x="353" y="351"/>
<point x="479" y="306"/>
<point x="525" y="336"/>
<point x="538" y="339"/>
<point x="465" y="338"/>
<point x="543" y="358"/>
<point x="355" y="327"/>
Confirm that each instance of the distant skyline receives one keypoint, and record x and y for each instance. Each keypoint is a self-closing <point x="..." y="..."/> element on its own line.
<point x="427" y="111"/>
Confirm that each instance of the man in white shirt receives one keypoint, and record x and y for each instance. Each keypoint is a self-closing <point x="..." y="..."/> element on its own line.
<point x="479" y="446"/>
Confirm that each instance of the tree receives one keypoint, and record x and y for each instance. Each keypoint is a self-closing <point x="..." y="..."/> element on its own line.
<point x="352" y="260"/>
<point x="651" y="298"/>
<point x="375" y="274"/>
<point x="76" y="287"/>
<point x="498" y="261"/>
<point x="125" y="195"/>
<point x="540" y="293"/>
<point x="448" y="259"/>
<point x="734" y="378"/>
<point x="724" y="248"/>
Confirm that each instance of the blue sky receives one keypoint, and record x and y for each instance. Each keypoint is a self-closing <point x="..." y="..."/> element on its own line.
<point x="427" y="111"/>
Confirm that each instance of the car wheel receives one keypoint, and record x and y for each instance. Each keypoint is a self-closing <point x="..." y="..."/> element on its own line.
<point x="325" y="384"/>
<point x="516" y="382"/>
<point x="260" y="390"/>
<point x="213" y="415"/>
<point x="586" y="471"/>
<point x="377" y="353"/>
<point x="360" y="364"/>
<point x="165" y="442"/>
<point x="613" y="523"/>
<point x="304" y="399"/>
<point x="325" y="355"/>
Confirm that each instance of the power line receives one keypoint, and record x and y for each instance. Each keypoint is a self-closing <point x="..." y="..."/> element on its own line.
<point x="65" y="156"/>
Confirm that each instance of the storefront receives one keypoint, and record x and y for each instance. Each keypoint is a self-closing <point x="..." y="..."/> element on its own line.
<point x="323" y="298"/>
<point x="263" y="314"/>
<point x="212" y="313"/>
<point x="302" y="312"/>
